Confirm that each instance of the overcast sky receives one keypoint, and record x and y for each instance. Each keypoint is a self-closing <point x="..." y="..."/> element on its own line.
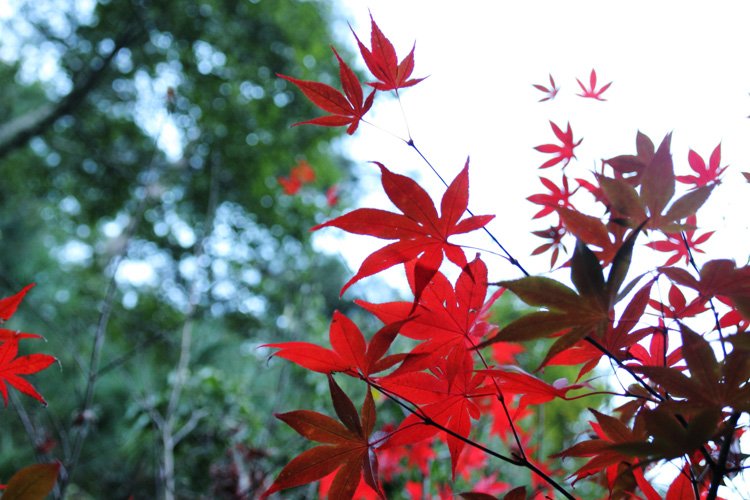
<point x="676" y="66"/>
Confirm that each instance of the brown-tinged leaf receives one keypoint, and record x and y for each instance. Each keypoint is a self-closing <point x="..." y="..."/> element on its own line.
<point x="623" y="198"/>
<point x="532" y="326"/>
<point x="700" y="359"/>
<point x="587" y="276"/>
<point x="544" y="292"/>
<point x="658" y="181"/>
<point x="317" y="427"/>
<point x="346" y="450"/>
<point x="585" y="227"/>
<point x="688" y="204"/>
<point x="620" y="265"/>
<point x="644" y="146"/>
<point x="674" y="382"/>
<point x="475" y="495"/>
<point x="33" y="482"/>
<point x="344" y="407"/>
<point x="518" y="493"/>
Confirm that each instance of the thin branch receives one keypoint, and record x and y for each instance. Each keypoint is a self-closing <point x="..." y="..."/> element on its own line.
<point x="721" y="464"/>
<point x="17" y="132"/>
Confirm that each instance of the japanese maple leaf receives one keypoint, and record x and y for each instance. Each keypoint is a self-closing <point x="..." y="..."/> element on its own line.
<point x="351" y="353"/>
<point x="445" y="396"/>
<point x="422" y="234"/>
<point x="677" y="306"/>
<point x="555" y="235"/>
<point x="717" y="277"/>
<point x="705" y="174"/>
<point x="557" y="197"/>
<point x="592" y="92"/>
<point x="383" y="63"/>
<point x="657" y="350"/>
<point x="346" y="447"/>
<point x="446" y="317"/>
<point x="12" y="367"/>
<point x="346" y="109"/>
<point x="603" y="451"/>
<point x="550" y="92"/>
<point x="681" y="248"/>
<point x="564" y="151"/>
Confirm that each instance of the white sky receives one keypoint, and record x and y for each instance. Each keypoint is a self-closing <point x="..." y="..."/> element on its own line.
<point x="676" y="66"/>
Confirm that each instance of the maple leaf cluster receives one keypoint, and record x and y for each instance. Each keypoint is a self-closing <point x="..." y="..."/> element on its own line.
<point x="444" y="366"/>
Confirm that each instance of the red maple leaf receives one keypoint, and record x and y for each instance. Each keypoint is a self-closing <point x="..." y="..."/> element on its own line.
<point x="346" y="447"/>
<point x="445" y="318"/>
<point x="383" y="62"/>
<point x="658" y="348"/>
<point x="551" y="91"/>
<point x="564" y="151"/>
<point x="592" y="92"/>
<point x="681" y="248"/>
<point x="677" y="306"/>
<point x="557" y="197"/>
<point x="706" y="174"/>
<point x="12" y="367"/>
<point x="346" y="109"/>
<point x="603" y="451"/>
<point x="445" y="396"/>
<point x="422" y="234"/>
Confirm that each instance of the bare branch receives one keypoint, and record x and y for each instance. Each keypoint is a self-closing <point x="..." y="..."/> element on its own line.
<point x="17" y="132"/>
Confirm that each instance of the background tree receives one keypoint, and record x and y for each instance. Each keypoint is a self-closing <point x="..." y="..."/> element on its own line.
<point x="140" y="146"/>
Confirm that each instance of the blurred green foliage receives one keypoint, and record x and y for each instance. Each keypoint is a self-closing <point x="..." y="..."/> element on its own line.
<point x="166" y="130"/>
